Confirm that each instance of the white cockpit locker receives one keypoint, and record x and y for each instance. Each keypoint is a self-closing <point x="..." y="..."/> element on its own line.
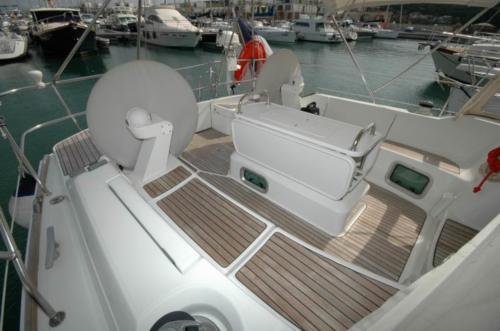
<point x="305" y="155"/>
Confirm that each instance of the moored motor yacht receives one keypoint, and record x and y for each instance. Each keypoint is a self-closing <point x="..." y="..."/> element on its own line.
<point x="122" y="22"/>
<point x="275" y="34"/>
<point x="316" y="29"/>
<point x="57" y="30"/>
<point x="381" y="32"/>
<point x="165" y="26"/>
<point x="12" y="46"/>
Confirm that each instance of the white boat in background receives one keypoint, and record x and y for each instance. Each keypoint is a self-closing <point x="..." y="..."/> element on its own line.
<point x="275" y="34"/>
<point x="386" y="34"/>
<point x="12" y="46"/>
<point x="316" y="29"/>
<point x="122" y="22"/>
<point x="380" y="32"/>
<point x="467" y="63"/>
<point x="165" y="26"/>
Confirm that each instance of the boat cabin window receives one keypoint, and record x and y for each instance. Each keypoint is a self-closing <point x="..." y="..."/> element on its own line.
<point x="254" y="180"/>
<point x="409" y="179"/>
<point x="320" y="26"/>
<point x="49" y="16"/>
<point x="304" y="24"/>
<point x="155" y="18"/>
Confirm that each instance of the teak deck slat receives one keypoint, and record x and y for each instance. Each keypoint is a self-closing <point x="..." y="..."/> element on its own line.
<point x="76" y="152"/>
<point x="452" y="237"/>
<point x="420" y="155"/>
<point x="219" y="227"/>
<point x="210" y="151"/>
<point x="166" y="182"/>
<point x="380" y="240"/>
<point x="309" y="290"/>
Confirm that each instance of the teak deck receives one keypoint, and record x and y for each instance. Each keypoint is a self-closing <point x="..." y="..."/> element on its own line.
<point x="210" y="151"/>
<point x="419" y="155"/>
<point x="76" y="152"/>
<point x="166" y="182"/>
<point x="312" y="292"/>
<point x="453" y="236"/>
<point x="221" y="228"/>
<point x="381" y="240"/>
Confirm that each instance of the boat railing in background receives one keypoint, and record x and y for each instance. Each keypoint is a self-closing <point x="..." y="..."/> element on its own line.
<point x="44" y="125"/>
<point x="384" y="101"/>
<point x="14" y="255"/>
<point x="24" y="164"/>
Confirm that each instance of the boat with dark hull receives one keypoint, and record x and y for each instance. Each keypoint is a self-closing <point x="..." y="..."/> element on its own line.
<point x="57" y="30"/>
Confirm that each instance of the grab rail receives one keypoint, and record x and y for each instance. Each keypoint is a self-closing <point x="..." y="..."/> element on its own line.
<point x="14" y="255"/>
<point x="253" y="95"/>
<point x="370" y="127"/>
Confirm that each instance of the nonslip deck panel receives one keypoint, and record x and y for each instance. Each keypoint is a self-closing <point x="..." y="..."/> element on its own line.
<point x="309" y="290"/>
<point x="164" y="183"/>
<point x="210" y="151"/>
<point x="380" y="240"/>
<point x="221" y="228"/>
<point x="76" y="152"/>
<point x="452" y="237"/>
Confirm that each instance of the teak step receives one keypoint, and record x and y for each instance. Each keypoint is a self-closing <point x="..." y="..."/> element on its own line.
<point x="453" y="236"/>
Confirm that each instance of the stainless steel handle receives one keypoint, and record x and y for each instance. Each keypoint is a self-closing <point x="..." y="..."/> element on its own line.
<point x="240" y="103"/>
<point x="370" y="127"/>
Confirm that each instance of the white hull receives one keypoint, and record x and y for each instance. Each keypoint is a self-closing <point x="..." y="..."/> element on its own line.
<point x="387" y="34"/>
<point x="446" y="63"/>
<point x="318" y="37"/>
<point x="185" y="39"/>
<point x="277" y="36"/>
<point x="19" y="49"/>
<point x="165" y="26"/>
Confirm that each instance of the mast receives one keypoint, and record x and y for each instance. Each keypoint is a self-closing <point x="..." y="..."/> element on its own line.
<point x="386" y="17"/>
<point x="401" y="17"/>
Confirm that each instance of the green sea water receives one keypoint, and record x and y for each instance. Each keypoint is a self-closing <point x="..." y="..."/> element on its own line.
<point x="326" y="68"/>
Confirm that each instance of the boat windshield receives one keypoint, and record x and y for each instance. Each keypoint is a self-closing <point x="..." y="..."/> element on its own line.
<point x="50" y="16"/>
<point x="324" y="27"/>
<point x="127" y="19"/>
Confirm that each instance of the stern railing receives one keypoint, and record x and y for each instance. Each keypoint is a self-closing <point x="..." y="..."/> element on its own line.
<point x="13" y="254"/>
